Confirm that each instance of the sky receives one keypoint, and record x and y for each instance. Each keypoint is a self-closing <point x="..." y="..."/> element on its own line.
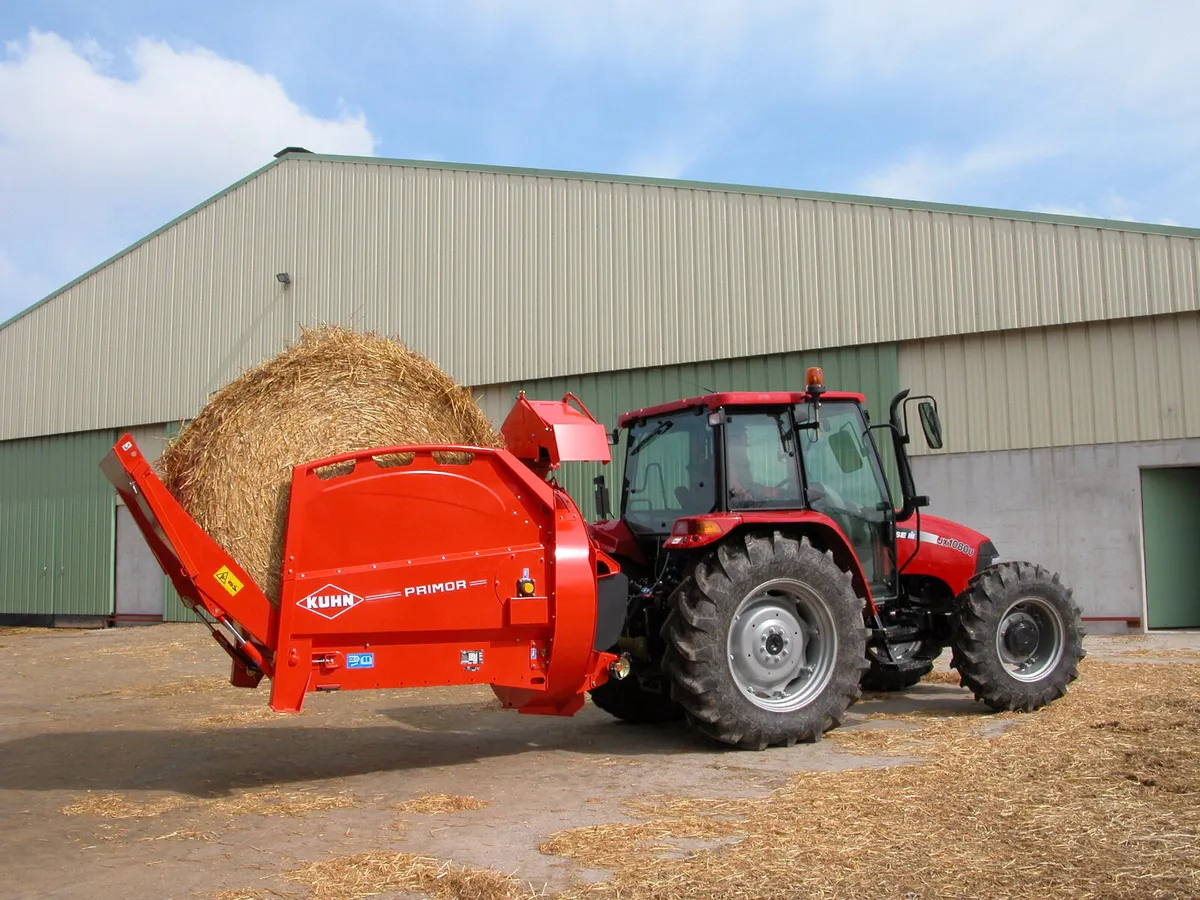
<point x="117" y="116"/>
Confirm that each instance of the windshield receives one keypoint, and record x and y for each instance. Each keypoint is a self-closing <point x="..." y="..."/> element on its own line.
<point x="669" y="471"/>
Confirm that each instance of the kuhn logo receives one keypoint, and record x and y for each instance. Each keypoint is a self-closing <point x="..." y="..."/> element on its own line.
<point x="441" y="587"/>
<point x="330" y="601"/>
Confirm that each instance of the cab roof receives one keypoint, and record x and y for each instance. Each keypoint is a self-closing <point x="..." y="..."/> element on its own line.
<point x="714" y="402"/>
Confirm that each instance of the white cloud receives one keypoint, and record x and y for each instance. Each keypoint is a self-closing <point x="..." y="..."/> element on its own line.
<point x="91" y="161"/>
<point x="663" y="162"/>
<point x="1085" y="108"/>
<point x="930" y="176"/>
<point x="1110" y="206"/>
<point x="702" y="35"/>
<point x="1095" y="81"/>
<point x="22" y="285"/>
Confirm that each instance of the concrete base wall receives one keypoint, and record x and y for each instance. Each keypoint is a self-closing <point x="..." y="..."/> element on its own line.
<point x="1075" y="510"/>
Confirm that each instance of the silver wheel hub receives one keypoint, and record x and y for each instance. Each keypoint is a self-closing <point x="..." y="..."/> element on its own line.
<point x="1030" y="639"/>
<point x="782" y="645"/>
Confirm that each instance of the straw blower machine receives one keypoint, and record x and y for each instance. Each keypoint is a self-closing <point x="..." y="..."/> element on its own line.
<point x="760" y="573"/>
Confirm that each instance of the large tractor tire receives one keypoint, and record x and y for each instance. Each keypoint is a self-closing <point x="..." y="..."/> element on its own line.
<point x="630" y="702"/>
<point x="765" y="642"/>
<point x="1018" y="637"/>
<point x="915" y="660"/>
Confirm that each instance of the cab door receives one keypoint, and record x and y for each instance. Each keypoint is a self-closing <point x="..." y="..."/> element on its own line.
<point x="843" y="480"/>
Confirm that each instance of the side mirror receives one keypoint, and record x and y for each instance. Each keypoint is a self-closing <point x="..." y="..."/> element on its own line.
<point x="614" y="437"/>
<point x="845" y="451"/>
<point x="931" y="424"/>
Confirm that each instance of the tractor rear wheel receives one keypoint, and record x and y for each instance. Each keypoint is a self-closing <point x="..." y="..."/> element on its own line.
<point x="765" y="642"/>
<point x="630" y="702"/>
<point x="915" y="660"/>
<point x="1018" y="637"/>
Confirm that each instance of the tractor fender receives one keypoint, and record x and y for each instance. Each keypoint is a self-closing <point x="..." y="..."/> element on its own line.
<point x="822" y="531"/>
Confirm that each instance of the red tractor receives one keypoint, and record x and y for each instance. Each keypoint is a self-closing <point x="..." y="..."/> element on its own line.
<point x="759" y="577"/>
<point x="774" y="576"/>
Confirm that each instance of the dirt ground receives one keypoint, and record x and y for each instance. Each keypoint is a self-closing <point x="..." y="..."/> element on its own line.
<point x="131" y="767"/>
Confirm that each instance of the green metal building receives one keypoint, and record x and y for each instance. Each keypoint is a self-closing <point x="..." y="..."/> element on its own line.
<point x="1065" y="351"/>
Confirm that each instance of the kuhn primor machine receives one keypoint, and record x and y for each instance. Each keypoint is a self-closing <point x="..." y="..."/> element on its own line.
<point x="461" y="566"/>
<point x="762" y="572"/>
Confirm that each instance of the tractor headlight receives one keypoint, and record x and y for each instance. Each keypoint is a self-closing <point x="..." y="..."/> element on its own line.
<point x="986" y="556"/>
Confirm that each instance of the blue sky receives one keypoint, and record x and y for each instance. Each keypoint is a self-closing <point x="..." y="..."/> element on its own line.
<point x="117" y="116"/>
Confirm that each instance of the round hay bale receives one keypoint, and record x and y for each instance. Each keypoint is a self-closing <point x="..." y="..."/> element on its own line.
<point x="333" y="391"/>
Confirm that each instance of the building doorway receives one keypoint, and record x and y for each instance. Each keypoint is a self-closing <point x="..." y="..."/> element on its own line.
<point x="139" y="588"/>
<point x="1171" y="538"/>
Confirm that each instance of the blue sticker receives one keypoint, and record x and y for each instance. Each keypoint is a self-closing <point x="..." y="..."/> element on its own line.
<point x="360" y="660"/>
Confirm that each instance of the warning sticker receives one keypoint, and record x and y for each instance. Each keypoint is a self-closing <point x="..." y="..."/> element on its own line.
<point x="228" y="580"/>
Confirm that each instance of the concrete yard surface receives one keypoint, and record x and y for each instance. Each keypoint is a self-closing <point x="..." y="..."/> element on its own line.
<point x="132" y="768"/>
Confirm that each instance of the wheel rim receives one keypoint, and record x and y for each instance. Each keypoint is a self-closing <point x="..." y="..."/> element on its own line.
<point x="782" y="645"/>
<point x="1030" y="639"/>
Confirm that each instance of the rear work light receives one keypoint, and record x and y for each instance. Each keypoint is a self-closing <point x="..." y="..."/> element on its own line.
<point x="696" y="532"/>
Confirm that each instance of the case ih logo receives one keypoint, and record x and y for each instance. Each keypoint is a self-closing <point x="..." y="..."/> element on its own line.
<point x="330" y="601"/>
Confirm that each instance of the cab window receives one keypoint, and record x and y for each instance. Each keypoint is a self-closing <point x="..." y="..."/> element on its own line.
<point x="669" y="471"/>
<point x="760" y="461"/>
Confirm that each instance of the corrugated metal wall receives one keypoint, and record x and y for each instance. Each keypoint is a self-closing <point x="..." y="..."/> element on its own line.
<point x="502" y="276"/>
<point x="1101" y="382"/>
<point x="56" y="526"/>
<point x="870" y="370"/>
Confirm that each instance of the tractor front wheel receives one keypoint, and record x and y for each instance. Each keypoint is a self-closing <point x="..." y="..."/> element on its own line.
<point x="1018" y="637"/>
<point x="765" y="642"/>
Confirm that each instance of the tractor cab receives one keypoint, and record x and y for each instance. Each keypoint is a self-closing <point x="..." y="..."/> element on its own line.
<point x="703" y="464"/>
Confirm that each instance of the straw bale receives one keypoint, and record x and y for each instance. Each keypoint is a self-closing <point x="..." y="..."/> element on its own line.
<point x="333" y="391"/>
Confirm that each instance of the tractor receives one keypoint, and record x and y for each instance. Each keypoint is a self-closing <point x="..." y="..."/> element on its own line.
<point x="760" y="575"/>
<point x="774" y="576"/>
